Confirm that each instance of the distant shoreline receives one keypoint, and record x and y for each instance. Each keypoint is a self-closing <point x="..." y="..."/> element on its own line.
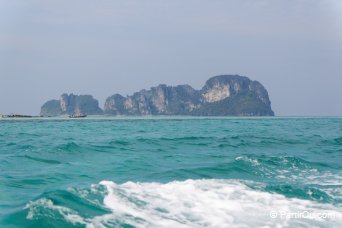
<point x="18" y="116"/>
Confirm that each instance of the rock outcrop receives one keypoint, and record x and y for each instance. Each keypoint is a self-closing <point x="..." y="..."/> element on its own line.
<point x="160" y="100"/>
<point x="71" y="104"/>
<point x="224" y="95"/>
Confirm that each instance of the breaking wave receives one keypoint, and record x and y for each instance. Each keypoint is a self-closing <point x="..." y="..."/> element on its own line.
<point x="190" y="203"/>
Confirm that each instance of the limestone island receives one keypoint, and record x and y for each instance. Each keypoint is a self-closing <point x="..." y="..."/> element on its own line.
<point x="224" y="95"/>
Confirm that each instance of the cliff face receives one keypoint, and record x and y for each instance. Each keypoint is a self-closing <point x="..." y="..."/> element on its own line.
<point x="160" y="100"/>
<point x="71" y="104"/>
<point x="234" y="95"/>
<point x="223" y="95"/>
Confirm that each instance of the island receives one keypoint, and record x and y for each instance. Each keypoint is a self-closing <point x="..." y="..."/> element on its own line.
<point x="70" y="104"/>
<point x="223" y="95"/>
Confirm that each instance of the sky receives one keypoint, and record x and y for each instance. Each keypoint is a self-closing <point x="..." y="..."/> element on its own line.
<point x="103" y="47"/>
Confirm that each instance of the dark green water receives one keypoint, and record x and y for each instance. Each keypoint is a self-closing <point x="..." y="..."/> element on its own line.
<point x="171" y="172"/>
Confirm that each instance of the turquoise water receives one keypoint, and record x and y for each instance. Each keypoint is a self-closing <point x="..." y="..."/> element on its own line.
<point x="171" y="172"/>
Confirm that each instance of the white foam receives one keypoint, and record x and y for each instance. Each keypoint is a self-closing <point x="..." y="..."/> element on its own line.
<point x="197" y="203"/>
<point x="325" y="178"/>
<point x="308" y="176"/>
<point x="254" y="162"/>
<point x="207" y="203"/>
<point x="68" y="214"/>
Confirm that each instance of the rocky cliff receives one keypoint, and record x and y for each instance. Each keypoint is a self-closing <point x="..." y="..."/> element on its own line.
<point x="224" y="95"/>
<point x="71" y="104"/>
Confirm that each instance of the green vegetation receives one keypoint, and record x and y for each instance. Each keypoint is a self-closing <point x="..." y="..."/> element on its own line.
<point x="51" y="108"/>
<point x="224" y="95"/>
<point x="71" y="104"/>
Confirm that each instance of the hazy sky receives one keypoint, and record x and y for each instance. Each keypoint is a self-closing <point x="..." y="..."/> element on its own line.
<point x="102" y="47"/>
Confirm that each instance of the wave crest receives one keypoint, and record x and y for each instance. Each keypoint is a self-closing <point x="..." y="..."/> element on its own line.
<point x="203" y="203"/>
<point x="190" y="203"/>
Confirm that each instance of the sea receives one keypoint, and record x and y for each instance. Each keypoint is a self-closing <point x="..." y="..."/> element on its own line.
<point x="171" y="171"/>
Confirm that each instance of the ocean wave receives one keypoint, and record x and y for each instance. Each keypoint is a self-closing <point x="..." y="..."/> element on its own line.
<point x="69" y="147"/>
<point x="293" y="176"/>
<point x="334" y="141"/>
<point x="46" y="208"/>
<point x="190" y="203"/>
<point x="49" y="161"/>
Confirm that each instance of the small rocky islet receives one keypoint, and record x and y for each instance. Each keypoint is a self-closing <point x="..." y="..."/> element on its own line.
<point x="223" y="95"/>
